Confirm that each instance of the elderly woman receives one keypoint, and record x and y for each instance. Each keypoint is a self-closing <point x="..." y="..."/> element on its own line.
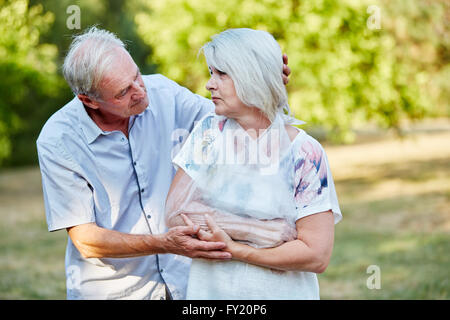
<point x="252" y="180"/>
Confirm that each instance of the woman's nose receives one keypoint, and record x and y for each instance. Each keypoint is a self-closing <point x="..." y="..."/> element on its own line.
<point x="211" y="84"/>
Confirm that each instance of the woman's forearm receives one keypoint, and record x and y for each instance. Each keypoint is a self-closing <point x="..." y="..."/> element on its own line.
<point x="310" y="252"/>
<point x="262" y="233"/>
<point x="292" y="255"/>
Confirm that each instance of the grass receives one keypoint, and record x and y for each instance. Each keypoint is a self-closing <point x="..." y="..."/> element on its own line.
<point x="395" y="199"/>
<point x="31" y="258"/>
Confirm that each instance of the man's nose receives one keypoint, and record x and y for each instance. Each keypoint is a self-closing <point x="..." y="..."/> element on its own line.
<point x="139" y="90"/>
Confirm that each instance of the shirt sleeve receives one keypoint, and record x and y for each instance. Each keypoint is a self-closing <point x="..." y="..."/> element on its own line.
<point x="190" y="107"/>
<point x="314" y="185"/>
<point x="68" y="198"/>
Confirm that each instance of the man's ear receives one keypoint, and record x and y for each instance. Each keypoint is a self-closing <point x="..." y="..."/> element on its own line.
<point x="88" y="101"/>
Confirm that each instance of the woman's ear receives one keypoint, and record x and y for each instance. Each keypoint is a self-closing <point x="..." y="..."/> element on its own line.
<point x="88" y="101"/>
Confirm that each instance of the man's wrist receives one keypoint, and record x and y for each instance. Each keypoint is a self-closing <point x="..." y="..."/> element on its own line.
<point x="156" y="244"/>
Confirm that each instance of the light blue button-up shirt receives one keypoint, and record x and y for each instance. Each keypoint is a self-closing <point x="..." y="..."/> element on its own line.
<point x="89" y="175"/>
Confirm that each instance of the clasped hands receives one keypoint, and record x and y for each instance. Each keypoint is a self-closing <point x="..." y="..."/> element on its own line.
<point x="215" y="233"/>
<point x="203" y="236"/>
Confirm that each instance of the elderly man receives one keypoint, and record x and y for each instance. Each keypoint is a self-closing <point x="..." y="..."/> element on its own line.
<point x="105" y="160"/>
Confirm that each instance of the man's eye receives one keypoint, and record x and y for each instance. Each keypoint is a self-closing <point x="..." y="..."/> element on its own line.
<point x="122" y="93"/>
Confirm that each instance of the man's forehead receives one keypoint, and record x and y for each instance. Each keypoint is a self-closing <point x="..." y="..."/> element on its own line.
<point x="122" y="66"/>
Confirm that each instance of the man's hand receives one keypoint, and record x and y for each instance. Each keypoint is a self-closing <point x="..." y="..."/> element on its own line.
<point x="180" y="240"/>
<point x="286" y="69"/>
<point x="95" y="242"/>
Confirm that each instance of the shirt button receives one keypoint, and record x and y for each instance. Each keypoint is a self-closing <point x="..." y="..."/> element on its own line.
<point x="134" y="163"/>
<point x="149" y="216"/>
<point x="162" y="270"/>
<point x="162" y="298"/>
<point x="142" y="190"/>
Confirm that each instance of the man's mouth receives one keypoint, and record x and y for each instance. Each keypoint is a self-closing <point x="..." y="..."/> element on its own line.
<point x="137" y="102"/>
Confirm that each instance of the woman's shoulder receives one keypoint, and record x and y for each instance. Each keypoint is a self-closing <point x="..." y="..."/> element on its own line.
<point x="292" y="131"/>
<point x="304" y="143"/>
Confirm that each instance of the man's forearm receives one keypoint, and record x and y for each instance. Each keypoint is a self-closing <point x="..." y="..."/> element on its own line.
<point x="96" y="242"/>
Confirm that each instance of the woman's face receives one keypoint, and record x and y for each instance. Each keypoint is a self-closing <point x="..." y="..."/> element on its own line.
<point x="223" y="94"/>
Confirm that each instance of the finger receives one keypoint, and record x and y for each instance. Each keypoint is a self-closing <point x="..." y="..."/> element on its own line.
<point x="215" y="255"/>
<point x="204" y="235"/>
<point x="286" y="70"/>
<point x="285" y="80"/>
<point x="187" y="220"/>
<point x="212" y="225"/>
<point x="285" y="58"/>
<point x="201" y="245"/>
<point x="189" y="230"/>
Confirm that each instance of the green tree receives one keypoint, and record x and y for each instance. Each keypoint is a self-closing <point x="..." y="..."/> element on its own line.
<point x="115" y="16"/>
<point x="34" y="40"/>
<point x="343" y="71"/>
<point x="27" y="67"/>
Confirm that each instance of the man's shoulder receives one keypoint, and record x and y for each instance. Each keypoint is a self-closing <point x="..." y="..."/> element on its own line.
<point x="62" y="122"/>
<point x="158" y="81"/>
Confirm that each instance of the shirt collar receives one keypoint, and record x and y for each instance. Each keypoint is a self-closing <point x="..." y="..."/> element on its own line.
<point x="88" y="126"/>
<point x="90" y="129"/>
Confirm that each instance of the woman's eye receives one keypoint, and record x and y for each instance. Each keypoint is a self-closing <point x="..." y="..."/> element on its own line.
<point x="221" y="72"/>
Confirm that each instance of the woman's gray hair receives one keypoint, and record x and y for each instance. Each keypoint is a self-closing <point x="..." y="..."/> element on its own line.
<point x="254" y="61"/>
<point x="88" y="59"/>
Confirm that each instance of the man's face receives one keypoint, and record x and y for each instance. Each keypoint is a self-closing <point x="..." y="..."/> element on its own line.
<point x="122" y="90"/>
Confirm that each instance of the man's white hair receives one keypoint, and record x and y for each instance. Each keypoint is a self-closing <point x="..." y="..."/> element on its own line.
<point x="254" y="61"/>
<point x="88" y="58"/>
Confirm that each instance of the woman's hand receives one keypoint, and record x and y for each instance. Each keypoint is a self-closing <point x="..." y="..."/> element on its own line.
<point x="216" y="234"/>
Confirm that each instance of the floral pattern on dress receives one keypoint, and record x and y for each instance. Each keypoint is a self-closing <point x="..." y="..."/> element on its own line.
<point x="311" y="172"/>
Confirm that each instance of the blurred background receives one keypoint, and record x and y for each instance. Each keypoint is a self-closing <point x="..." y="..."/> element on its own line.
<point x="370" y="78"/>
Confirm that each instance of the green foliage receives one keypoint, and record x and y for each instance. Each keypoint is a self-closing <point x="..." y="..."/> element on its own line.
<point x="343" y="72"/>
<point x="34" y="39"/>
<point x="27" y="68"/>
<point x="115" y="16"/>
